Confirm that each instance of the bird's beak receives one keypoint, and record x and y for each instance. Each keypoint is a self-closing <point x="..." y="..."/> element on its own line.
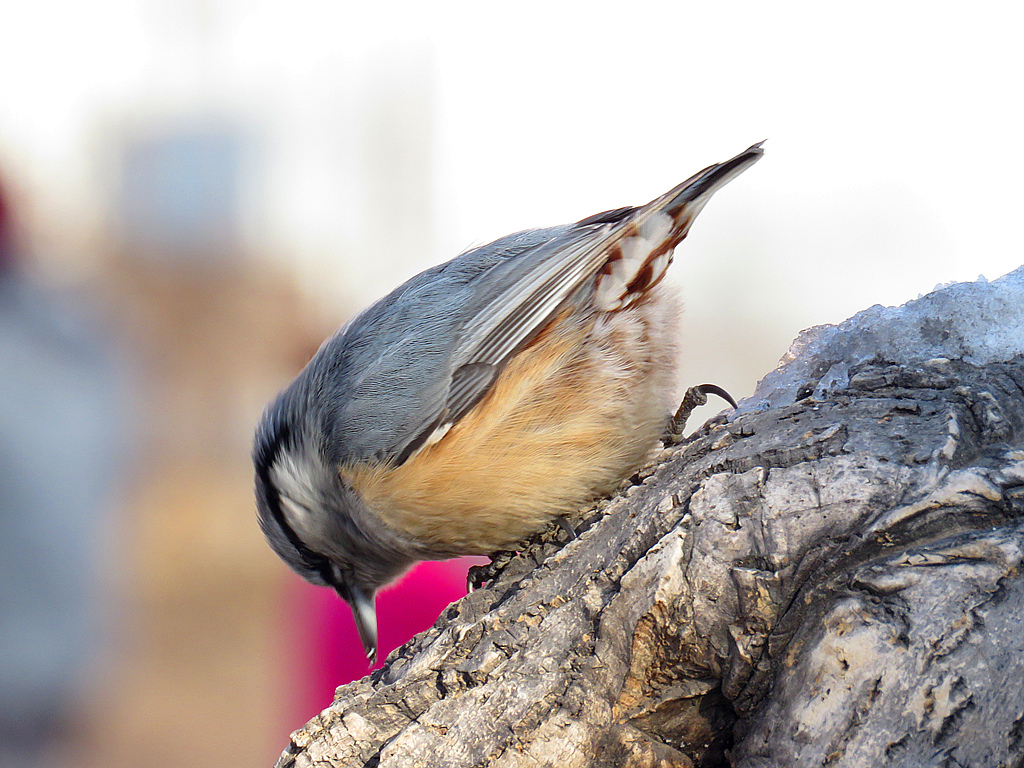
<point x="365" y="613"/>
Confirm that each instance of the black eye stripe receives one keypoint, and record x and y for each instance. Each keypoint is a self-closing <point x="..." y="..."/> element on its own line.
<point x="312" y="560"/>
<point x="267" y="454"/>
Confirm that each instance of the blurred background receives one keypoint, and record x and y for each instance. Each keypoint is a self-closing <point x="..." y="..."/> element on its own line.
<point x="195" y="193"/>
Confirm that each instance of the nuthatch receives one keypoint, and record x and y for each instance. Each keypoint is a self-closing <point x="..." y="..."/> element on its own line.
<point x="479" y="400"/>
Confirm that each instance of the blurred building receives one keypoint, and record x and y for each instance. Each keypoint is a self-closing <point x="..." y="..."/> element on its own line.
<point x="212" y="334"/>
<point x="218" y="644"/>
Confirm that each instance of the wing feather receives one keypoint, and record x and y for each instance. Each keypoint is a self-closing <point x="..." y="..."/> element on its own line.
<point x="526" y="291"/>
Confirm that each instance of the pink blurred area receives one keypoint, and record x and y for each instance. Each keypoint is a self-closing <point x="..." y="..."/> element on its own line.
<point x="324" y="648"/>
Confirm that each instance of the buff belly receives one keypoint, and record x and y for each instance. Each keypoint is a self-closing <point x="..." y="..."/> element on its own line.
<point x="572" y="415"/>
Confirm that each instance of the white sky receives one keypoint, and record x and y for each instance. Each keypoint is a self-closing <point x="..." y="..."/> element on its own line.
<point x="892" y="161"/>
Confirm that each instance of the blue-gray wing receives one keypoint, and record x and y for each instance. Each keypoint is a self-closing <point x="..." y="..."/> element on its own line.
<point x="434" y="346"/>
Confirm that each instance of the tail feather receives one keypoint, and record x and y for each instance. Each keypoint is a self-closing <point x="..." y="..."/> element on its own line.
<point x="641" y="255"/>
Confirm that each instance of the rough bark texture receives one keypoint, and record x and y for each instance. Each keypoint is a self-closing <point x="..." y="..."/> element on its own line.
<point x="831" y="575"/>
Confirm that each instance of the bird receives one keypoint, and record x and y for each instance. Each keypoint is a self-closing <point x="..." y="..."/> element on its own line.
<point x="480" y="400"/>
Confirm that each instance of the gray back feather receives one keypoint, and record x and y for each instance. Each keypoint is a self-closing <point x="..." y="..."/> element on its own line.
<point x="425" y="353"/>
<point x="422" y="356"/>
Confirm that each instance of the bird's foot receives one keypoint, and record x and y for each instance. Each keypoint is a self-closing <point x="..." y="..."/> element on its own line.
<point x="694" y="398"/>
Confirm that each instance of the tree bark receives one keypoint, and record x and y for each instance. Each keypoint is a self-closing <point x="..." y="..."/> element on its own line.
<point x="828" y="576"/>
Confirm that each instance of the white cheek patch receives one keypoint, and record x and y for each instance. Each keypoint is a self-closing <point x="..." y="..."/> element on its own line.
<point x="294" y="478"/>
<point x="298" y="518"/>
<point x="295" y="484"/>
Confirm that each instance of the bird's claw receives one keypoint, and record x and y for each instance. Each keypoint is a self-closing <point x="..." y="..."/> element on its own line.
<point x="693" y="399"/>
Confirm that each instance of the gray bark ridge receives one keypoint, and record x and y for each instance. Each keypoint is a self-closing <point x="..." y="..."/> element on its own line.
<point x="829" y="576"/>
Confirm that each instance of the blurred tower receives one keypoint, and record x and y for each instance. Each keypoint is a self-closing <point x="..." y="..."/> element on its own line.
<point x="213" y="333"/>
<point x="179" y="191"/>
<point x="217" y="331"/>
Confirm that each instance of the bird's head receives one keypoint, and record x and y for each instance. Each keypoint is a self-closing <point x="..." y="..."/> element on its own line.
<point x="314" y="521"/>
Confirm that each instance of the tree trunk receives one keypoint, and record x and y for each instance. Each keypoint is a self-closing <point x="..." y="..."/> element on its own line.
<point x="830" y="575"/>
